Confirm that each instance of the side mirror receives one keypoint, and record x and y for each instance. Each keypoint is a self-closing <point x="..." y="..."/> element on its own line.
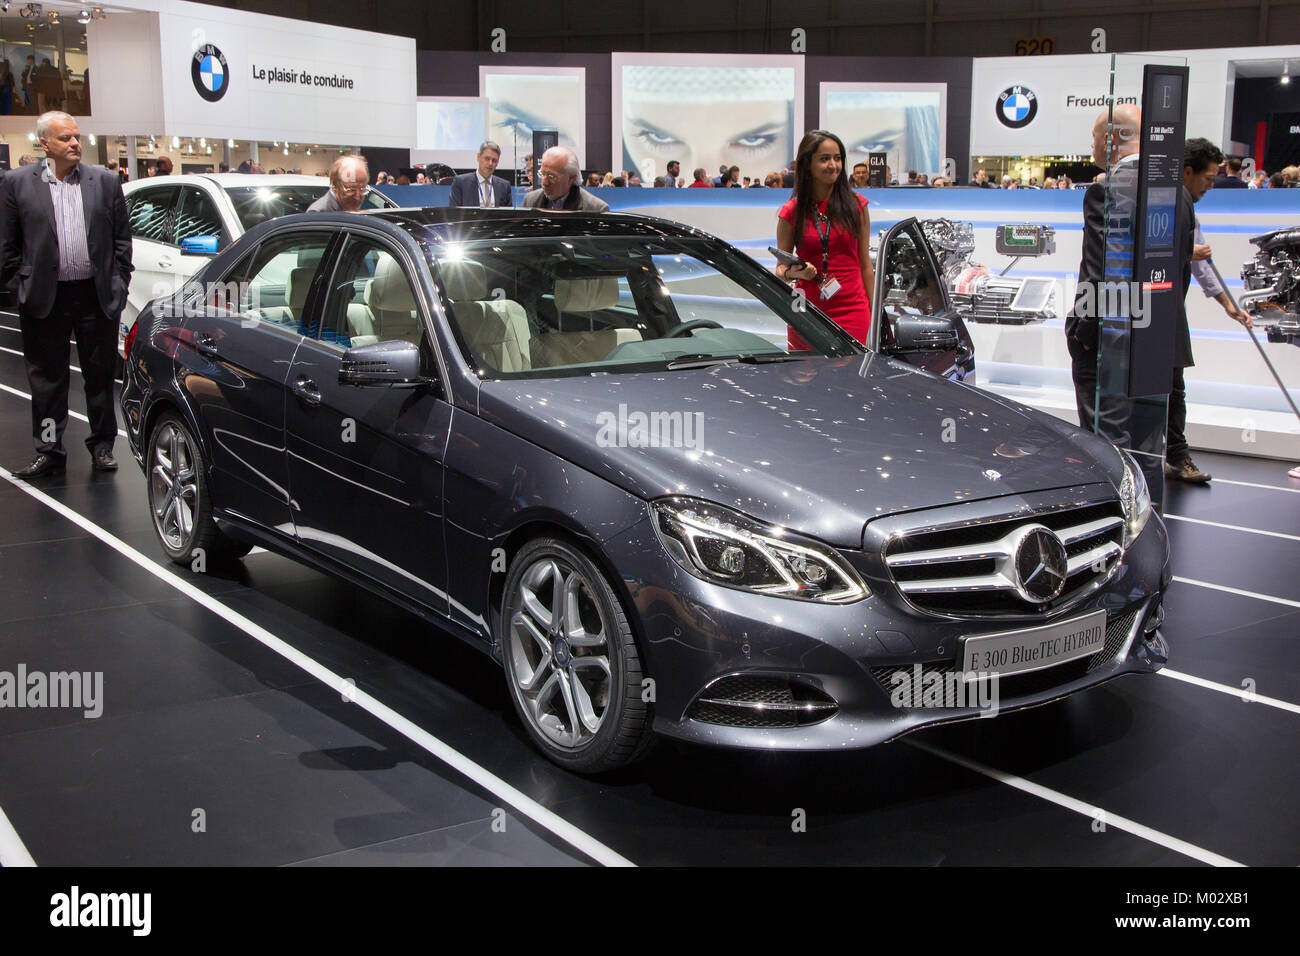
<point x="200" y="246"/>
<point x="914" y="332"/>
<point x="394" y="364"/>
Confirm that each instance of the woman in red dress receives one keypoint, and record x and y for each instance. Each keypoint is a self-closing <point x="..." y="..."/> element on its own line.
<point x="827" y="226"/>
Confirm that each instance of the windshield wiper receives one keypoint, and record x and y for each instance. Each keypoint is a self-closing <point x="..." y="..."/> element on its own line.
<point x="764" y="358"/>
<point x="700" y="360"/>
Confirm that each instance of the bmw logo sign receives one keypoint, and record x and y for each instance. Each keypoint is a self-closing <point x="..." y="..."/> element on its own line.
<point x="1017" y="107"/>
<point x="209" y="72"/>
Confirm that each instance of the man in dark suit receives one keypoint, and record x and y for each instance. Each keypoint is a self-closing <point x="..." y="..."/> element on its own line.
<point x="560" y="188"/>
<point x="1230" y="175"/>
<point x="481" y="188"/>
<point x="64" y="233"/>
<point x="1115" y="199"/>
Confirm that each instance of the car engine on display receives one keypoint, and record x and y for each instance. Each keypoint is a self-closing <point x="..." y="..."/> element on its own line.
<point x="1272" y="281"/>
<point x="615" y="474"/>
<point x="984" y="296"/>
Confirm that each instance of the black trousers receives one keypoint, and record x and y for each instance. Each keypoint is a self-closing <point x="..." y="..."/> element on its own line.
<point x="45" y="349"/>
<point x="1176" y="436"/>
<point x="1113" y="412"/>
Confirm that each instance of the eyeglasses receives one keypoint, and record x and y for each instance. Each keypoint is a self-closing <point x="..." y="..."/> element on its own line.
<point x="351" y="188"/>
<point x="552" y="177"/>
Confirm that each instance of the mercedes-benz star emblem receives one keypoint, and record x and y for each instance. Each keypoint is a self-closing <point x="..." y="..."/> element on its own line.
<point x="1041" y="565"/>
<point x="210" y="72"/>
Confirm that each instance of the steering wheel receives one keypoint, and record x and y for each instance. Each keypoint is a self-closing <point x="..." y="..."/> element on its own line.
<point x="681" y="328"/>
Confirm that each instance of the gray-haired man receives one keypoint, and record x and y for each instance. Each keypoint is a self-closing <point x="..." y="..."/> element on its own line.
<point x="560" y="189"/>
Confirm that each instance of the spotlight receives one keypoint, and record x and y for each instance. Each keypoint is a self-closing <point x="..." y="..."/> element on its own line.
<point x="4" y="7"/>
<point x="83" y="17"/>
<point x="1286" y="74"/>
<point x="96" y="13"/>
<point x="286" y="149"/>
<point x="31" y="11"/>
<point x="308" y="150"/>
<point x="31" y="137"/>
<point x="92" y="139"/>
<point x="176" y="142"/>
<point x="230" y="143"/>
<point x="202" y="141"/>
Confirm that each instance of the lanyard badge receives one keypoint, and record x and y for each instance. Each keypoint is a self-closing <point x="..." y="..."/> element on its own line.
<point x="830" y="285"/>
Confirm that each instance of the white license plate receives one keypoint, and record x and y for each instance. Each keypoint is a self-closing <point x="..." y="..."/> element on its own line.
<point x="1033" y="648"/>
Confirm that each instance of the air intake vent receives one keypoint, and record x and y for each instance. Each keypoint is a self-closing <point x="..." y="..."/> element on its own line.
<point x="762" y="701"/>
<point x="1034" y="682"/>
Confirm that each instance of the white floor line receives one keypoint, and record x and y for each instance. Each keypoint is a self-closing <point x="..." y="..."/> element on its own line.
<point x="10" y="328"/>
<point x="18" y="353"/>
<point x="1254" y="484"/>
<point x="1250" y="594"/>
<point x="453" y="758"/>
<point x="1078" y="806"/>
<point x="14" y="391"/>
<point x="1231" y="691"/>
<point x="1235" y="527"/>
<point x="12" y="850"/>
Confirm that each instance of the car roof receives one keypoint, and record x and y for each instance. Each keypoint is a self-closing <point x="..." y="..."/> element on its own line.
<point x="468" y="223"/>
<point x="230" y="180"/>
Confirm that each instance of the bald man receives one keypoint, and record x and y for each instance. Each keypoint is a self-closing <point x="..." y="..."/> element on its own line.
<point x="1119" y="152"/>
<point x="348" y="178"/>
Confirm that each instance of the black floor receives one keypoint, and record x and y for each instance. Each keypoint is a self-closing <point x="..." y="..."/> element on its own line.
<point x="213" y="748"/>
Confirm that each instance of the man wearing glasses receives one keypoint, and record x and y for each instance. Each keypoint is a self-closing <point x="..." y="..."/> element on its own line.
<point x="348" y="178"/>
<point x="560" y="189"/>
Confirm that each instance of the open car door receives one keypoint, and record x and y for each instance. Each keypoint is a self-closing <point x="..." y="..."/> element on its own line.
<point x="912" y="316"/>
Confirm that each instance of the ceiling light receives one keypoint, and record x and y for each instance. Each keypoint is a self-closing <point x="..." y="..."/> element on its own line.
<point x="203" y="141"/>
<point x="230" y="143"/>
<point x="176" y="142"/>
<point x="84" y="16"/>
<point x="1286" y="73"/>
<point x="96" y="13"/>
<point x="92" y="139"/>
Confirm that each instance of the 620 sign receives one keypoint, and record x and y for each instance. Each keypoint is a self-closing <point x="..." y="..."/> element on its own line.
<point x="1035" y="46"/>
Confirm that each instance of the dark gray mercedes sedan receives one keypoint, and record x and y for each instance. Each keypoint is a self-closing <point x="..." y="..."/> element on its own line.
<point x="663" y="490"/>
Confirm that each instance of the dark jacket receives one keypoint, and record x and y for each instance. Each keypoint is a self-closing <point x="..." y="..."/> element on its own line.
<point x="1120" y="194"/>
<point x="578" y="199"/>
<point x="464" y="191"/>
<point x="1229" y="182"/>
<point x="327" y="203"/>
<point x="29" y="245"/>
<point x="1187" y="242"/>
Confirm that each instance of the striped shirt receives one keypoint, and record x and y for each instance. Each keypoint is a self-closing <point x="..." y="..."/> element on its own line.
<point x="69" y="223"/>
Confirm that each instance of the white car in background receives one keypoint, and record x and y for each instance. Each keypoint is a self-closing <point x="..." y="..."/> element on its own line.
<point x="179" y="222"/>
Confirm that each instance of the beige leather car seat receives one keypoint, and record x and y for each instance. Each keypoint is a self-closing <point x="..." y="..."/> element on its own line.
<point x="495" y="329"/>
<point x="579" y="298"/>
<point x="391" y="302"/>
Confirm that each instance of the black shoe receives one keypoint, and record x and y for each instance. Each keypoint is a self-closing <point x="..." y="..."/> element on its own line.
<point x="1185" y="470"/>
<point x="102" y="460"/>
<point x="43" y="464"/>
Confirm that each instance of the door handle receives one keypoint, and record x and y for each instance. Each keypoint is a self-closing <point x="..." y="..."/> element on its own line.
<point x="165" y="263"/>
<point x="306" y="390"/>
<point x="205" y="344"/>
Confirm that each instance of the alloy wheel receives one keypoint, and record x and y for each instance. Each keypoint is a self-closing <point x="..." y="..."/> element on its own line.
<point x="173" y="488"/>
<point x="559" y="649"/>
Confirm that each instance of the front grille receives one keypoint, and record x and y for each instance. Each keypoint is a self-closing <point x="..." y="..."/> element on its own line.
<point x="762" y="701"/>
<point x="969" y="567"/>
<point x="1022" y="685"/>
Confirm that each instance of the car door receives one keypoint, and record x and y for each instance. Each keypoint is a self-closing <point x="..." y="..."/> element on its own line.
<point x="151" y="213"/>
<point x="913" y="318"/>
<point x="242" y="335"/>
<point x="366" y="463"/>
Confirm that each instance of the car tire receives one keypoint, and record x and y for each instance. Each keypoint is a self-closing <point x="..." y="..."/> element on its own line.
<point x="180" y="502"/>
<point x="575" y="679"/>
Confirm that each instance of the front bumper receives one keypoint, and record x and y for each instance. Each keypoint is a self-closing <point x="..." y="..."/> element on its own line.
<point x="695" y="635"/>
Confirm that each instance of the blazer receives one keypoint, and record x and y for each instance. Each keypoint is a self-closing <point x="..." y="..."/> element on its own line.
<point x="464" y="191"/>
<point x="29" y="245"/>
<point x="578" y="200"/>
<point x="1120" y="193"/>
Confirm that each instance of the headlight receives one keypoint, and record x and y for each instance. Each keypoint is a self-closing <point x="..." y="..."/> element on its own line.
<point x="1134" y="498"/>
<point x="725" y="547"/>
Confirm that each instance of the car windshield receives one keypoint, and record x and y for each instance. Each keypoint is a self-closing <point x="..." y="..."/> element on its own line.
<point x="256" y="204"/>
<point x="575" y="305"/>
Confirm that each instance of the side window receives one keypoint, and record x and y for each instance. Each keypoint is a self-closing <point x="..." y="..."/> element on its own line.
<point x="197" y="215"/>
<point x="151" y="213"/>
<point x="371" y="299"/>
<point x="275" y="285"/>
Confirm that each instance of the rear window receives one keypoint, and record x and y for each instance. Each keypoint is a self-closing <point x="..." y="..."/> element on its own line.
<point x="257" y="204"/>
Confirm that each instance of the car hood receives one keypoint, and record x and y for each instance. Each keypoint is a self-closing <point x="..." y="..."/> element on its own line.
<point x="819" y="445"/>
